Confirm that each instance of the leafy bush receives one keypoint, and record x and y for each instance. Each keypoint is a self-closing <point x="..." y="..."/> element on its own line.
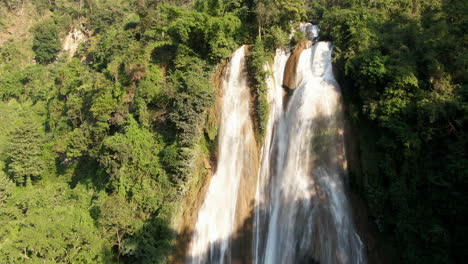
<point x="24" y="163"/>
<point x="46" y="43"/>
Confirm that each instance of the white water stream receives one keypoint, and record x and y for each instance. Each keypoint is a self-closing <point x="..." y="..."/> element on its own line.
<point x="302" y="214"/>
<point x="216" y="218"/>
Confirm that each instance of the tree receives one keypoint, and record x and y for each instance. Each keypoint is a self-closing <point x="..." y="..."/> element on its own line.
<point x="50" y="224"/>
<point x="130" y="157"/>
<point x="46" y="42"/>
<point x="278" y="12"/>
<point x="24" y="162"/>
<point x="115" y="218"/>
<point x="403" y="70"/>
<point x="6" y="187"/>
<point x="266" y="11"/>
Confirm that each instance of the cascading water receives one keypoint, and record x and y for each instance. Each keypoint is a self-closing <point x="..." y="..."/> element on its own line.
<point x="220" y="213"/>
<point x="302" y="213"/>
<point x="311" y="31"/>
<point x="275" y="100"/>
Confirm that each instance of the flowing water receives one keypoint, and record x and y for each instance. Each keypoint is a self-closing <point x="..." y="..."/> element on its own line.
<point x="302" y="211"/>
<point x="216" y="223"/>
<point x="311" y="31"/>
<point x="275" y="100"/>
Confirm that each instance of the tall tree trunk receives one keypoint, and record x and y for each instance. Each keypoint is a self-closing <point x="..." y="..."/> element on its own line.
<point x="260" y="30"/>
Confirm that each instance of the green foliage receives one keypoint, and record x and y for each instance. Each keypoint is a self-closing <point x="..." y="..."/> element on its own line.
<point x="8" y="53"/>
<point x="149" y="88"/>
<point x="112" y="140"/>
<point x="211" y="124"/>
<point x="29" y="83"/>
<point x="276" y="37"/>
<point x="280" y="13"/>
<point x="195" y="95"/>
<point x="10" y="83"/>
<point x="151" y="241"/>
<point x="78" y="143"/>
<point x="97" y="139"/>
<point x="83" y="133"/>
<point x="46" y="43"/>
<point x="104" y="14"/>
<point x="401" y="63"/>
<point x="24" y="162"/>
<point x="214" y="37"/>
<point x="35" y="222"/>
<point x="133" y="153"/>
<point x="298" y="37"/>
<point x="9" y="116"/>
<point x="258" y="58"/>
<point x="186" y="114"/>
<point x="108" y="47"/>
<point x="37" y="81"/>
<point x="6" y="188"/>
<point x="115" y="218"/>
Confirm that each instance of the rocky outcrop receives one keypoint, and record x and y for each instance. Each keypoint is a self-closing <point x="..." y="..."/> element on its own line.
<point x="73" y="40"/>
<point x="289" y="80"/>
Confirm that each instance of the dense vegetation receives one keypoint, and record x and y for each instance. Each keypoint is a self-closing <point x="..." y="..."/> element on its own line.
<point x="97" y="151"/>
<point x="404" y="73"/>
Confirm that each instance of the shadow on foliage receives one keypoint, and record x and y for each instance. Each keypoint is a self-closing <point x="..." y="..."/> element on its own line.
<point x="88" y="173"/>
<point x="164" y="55"/>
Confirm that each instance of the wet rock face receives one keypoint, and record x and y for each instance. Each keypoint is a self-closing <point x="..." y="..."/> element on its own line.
<point x="289" y="80"/>
<point x="312" y="32"/>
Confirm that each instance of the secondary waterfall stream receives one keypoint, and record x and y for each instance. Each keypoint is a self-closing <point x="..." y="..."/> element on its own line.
<point x="223" y="209"/>
<point x="301" y="212"/>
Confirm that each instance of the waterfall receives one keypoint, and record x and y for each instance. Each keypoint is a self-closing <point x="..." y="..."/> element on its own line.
<point x="275" y="100"/>
<point x="311" y="31"/>
<point x="296" y="198"/>
<point x="222" y="214"/>
<point x="302" y="212"/>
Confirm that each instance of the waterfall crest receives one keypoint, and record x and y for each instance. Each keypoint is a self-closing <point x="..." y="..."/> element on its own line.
<point x="302" y="212"/>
